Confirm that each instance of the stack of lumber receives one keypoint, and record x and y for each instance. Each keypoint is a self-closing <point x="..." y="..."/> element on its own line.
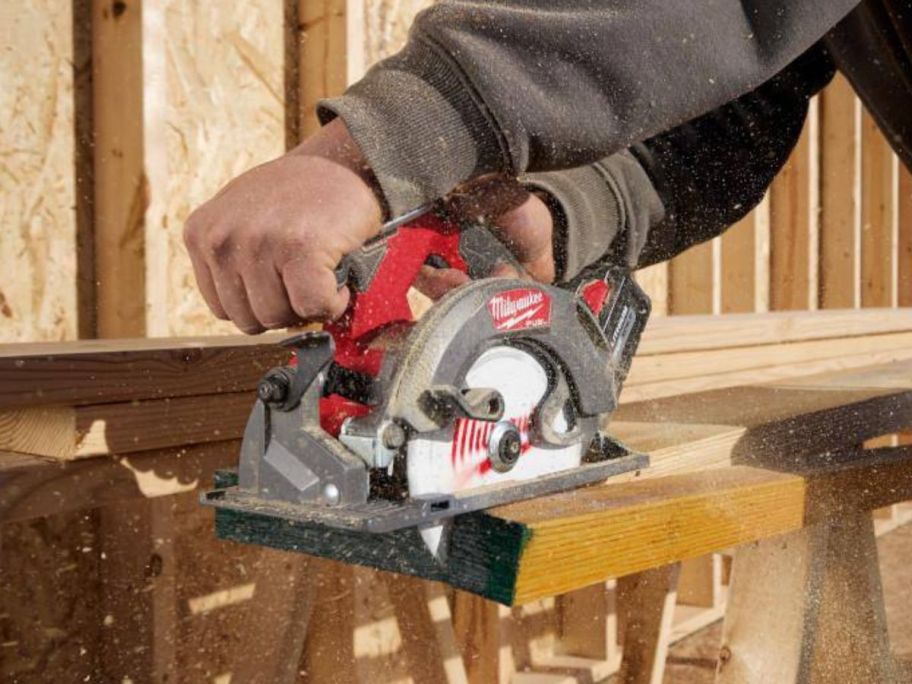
<point x="69" y="401"/>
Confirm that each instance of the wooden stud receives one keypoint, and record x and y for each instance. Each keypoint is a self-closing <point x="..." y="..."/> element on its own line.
<point x="691" y="281"/>
<point x="329" y="654"/>
<point x="138" y="578"/>
<point x="322" y="64"/>
<point x="839" y="224"/>
<point x="739" y="266"/>
<point x="700" y="582"/>
<point x="904" y="237"/>
<point x="121" y="193"/>
<point x="654" y="281"/>
<point x="647" y="600"/>
<point x="476" y="623"/>
<point x="426" y="628"/>
<point x="877" y="226"/>
<point x="790" y="230"/>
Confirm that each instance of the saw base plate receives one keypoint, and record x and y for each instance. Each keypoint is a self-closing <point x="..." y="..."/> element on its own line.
<point x="380" y="516"/>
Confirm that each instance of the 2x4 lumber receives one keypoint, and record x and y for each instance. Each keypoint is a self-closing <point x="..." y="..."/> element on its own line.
<point x="426" y="629"/>
<point x="476" y="624"/>
<point x="37" y="488"/>
<point x="904" y="237"/>
<point x="877" y="235"/>
<point x="105" y="371"/>
<point x="781" y="371"/>
<point x="808" y="607"/>
<point x="588" y="623"/>
<point x="648" y="600"/>
<point x="676" y="334"/>
<point x="691" y="281"/>
<point x="739" y="266"/>
<point x="322" y="64"/>
<point x="529" y="550"/>
<point x="790" y="230"/>
<point x="121" y="193"/>
<point x="138" y="591"/>
<point x="680" y="365"/>
<point x="73" y="432"/>
<point x="839" y="217"/>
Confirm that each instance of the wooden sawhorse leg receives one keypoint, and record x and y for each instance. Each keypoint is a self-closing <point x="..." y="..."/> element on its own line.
<point x="808" y="607"/>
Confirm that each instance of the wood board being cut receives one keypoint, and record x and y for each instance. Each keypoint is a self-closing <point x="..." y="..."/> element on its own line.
<point x="777" y="451"/>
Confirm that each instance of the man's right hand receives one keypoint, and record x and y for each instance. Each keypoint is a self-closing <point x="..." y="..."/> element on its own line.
<point x="264" y="249"/>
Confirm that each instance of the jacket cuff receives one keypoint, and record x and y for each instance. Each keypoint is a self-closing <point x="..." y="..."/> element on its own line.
<point x="420" y="125"/>
<point x="602" y="212"/>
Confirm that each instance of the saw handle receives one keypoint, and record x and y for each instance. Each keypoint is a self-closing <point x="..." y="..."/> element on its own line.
<point x="381" y="272"/>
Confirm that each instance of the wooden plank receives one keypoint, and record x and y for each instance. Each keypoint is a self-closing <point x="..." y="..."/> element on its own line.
<point x="76" y="432"/>
<point x="765" y="374"/>
<point x="427" y="630"/>
<point x="654" y="281"/>
<point x="839" y="217"/>
<point x="681" y="365"/>
<point x="739" y="266"/>
<point x="695" y="333"/>
<point x="476" y="623"/>
<point x="691" y="281"/>
<point x="103" y="371"/>
<point x="322" y="64"/>
<point x="904" y="237"/>
<point x="38" y="488"/>
<point x="790" y="230"/>
<point x="808" y="607"/>
<point x="877" y="235"/>
<point x="588" y="624"/>
<point x="647" y="599"/>
<point x="700" y="582"/>
<point x="547" y="547"/>
<point x="138" y="577"/>
<point x="37" y="182"/>
<point x="121" y="193"/>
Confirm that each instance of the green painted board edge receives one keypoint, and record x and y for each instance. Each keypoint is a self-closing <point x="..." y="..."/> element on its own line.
<point x="484" y="556"/>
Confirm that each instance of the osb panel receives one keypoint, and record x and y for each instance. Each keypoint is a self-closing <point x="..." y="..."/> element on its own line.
<point x="214" y="108"/>
<point x="386" y="24"/>
<point x="37" y="193"/>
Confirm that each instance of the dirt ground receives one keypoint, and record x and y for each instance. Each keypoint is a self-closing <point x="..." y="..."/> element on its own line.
<point x="693" y="660"/>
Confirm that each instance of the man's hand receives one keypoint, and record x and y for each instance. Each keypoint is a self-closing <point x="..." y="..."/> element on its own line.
<point x="523" y="222"/>
<point x="265" y="247"/>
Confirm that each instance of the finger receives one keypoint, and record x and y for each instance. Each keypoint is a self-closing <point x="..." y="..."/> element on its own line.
<point x="233" y="297"/>
<point x="527" y="231"/>
<point x="267" y="296"/>
<point x="206" y="286"/>
<point x="436" y="282"/>
<point x="313" y="292"/>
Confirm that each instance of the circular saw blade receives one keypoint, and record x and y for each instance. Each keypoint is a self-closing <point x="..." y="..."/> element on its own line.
<point x="436" y="466"/>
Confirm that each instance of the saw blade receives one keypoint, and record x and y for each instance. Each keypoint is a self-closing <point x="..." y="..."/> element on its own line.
<point x="464" y="461"/>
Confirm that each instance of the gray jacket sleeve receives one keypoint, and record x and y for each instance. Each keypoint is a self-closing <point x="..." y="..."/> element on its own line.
<point x="534" y="85"/>
<point x="687" y="185"/>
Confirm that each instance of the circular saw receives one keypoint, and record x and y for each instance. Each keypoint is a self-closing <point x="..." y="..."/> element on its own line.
<point x="500" y="392"/>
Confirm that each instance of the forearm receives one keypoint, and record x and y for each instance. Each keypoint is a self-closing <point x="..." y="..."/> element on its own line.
<point x="515" y="86"/>
<point x="685" y="186"/>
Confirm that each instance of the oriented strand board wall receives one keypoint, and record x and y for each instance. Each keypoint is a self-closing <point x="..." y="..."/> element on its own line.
<point x="214" y="107"/>
<point x="37" y="184"/>
<point x="386" y="25"/>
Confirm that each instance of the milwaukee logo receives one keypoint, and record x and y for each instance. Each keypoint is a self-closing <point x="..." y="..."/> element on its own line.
<point x="520" y="309"/>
